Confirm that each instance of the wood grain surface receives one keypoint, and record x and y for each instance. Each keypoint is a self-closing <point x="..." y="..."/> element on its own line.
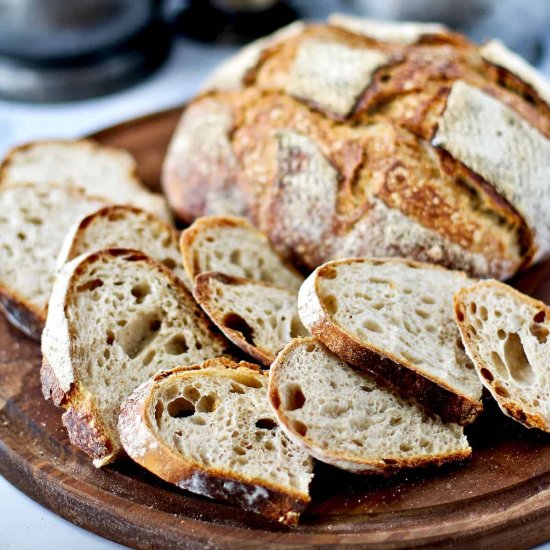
<point x="501" y="499"/>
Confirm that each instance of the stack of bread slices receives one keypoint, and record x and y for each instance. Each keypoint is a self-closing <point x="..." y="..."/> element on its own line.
<point x="209" y="360"/>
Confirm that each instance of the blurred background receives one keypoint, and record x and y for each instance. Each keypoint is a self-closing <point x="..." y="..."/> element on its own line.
<point x="71" y="67"/>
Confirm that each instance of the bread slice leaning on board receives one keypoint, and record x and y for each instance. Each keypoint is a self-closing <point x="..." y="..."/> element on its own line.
<point x="507" y="335"/>
<point x="97" y="169"/>
<point x="209" y="429"/>
<point x="33" y="223"/>
<point x="116" y="317"/>
<point x="394" y="318"/>
<point x="345" y="418"/>
<point x="258" y="317"/>
<point x="125" y="226"/>
<point x="233" y="246"/>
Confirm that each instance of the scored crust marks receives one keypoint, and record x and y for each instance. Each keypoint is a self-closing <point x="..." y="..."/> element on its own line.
<point x="496" y="143"/>
<point x="332" y="76"/>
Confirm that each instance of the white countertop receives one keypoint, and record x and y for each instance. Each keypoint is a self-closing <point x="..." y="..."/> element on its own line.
<point x="25" y="525"/>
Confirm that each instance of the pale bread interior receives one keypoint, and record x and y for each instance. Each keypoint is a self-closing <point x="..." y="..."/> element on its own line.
<point x="508" y="336"/>
<point x="220" y="418"/>
<point x="33" y="223"/>
<point x="264" y="316"/>
<point x="126" y="227"/>
<point x="129" y="320"/>
<point x="344" y="415"/>
<point x="100" y="171"/>
<point x="235" y="249"/>
<point x="404" y="310"/>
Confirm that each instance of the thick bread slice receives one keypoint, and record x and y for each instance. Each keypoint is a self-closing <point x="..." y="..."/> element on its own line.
<point x="395" y="318"/>
<point x="257" y="317"/>
<point x="115" y="318"/>
<point x="124" y="226"/>
<point x="209" y="429"/>
<point x="233" y="246"/>
<point x="507" y="336"/>
<point x="343" y="417"/>
<point x="99" y="170"/>
<point x="33" y="223"/>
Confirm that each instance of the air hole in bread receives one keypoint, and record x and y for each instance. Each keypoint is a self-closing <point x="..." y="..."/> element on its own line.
<point x="408" y="356"/>
<point x="483" y="313"/>
<point x="236" y="388"/>
<point x="395" y="421"/>
<point x="422" y="313"/>
<point x="428" y="300"/>
<point x="389" y="461"/>
<point x="499" y="365"/>
<point x="486" y="374"/>
<point x="110" y="337"/>
<point x="380" y="281"/>
<point x="198" y="420"/>
<point x="357" y="442"/>
<point x="176" y="345"/>
<point x="377" y="306"/>
<point x="310" y="348"/>
<point x="473" y="308"/>
<point x="372" y="325"/>
<point x="235" y="257"/>
<point x="407" y="291"/>
<point x="404" y="447"/>
<point x="138" y="333"/>
<point x="366" y="388"/>
<point x="266" y="424"/>
<point x="535" y="403"/>
<point x="299" y="427"/>
<point x="235" y="322"/>
<point x="21" y="236"/>
<point x="140" y="291"/>
<point x="248" y="381"/>
<point x="149" y="357"/>
<point x="460" y="315"/>
<point x="269" y="445"/>
<point x="239" y="450"/>
<point x="540" y="332"/>
<point x="502" y="392"/>
<point x="501" y="334"/>
<point x="170" y="263"/>
<point x="191" y="393"/>
<point x="328" y="273"/>
<point x="159" y="409"/>
<point x="539" y="317"/>
<point x="180" y="408"/>
<point x="364" y="295"/>
<point x="206" y="404"/>
<point x="90" y="285"/>
<point x="331" y="304"/>
<point x="295" y="398"/>
<point x="514" y="356"/>
<point x="296" y="328"/>
<point x="408" y="327"/>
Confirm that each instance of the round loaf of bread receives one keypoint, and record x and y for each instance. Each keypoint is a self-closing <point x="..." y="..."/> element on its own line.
<point x="356" y="138"/>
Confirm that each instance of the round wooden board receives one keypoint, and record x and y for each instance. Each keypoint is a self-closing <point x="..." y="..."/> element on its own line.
<point x="500" y="499"/>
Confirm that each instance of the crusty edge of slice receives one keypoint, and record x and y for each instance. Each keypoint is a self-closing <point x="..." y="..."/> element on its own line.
<point x="279" y="505"/>
<point x="401" y="375"/>
<point x="188" y="236"/>
<point x="83" y="423"/>
<point x="342" y="460"/>
<point x="507" y="406"/>
<point x="202" y="295"/>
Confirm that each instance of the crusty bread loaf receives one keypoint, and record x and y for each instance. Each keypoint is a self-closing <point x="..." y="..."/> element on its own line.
<point x="124" y="226"/>
<point x="115" y="318"/>
<point x="33" y="223"/>
<point x="340" y="143"/>
<point x="257" y="317"/>
<point x="507" y="336"/>
<point x="234" y="247"/>
<point x="99" y="170"/>
<point x="209" y="429"/>
<point x="395" y="318"/>
<point x="343" y="417"/>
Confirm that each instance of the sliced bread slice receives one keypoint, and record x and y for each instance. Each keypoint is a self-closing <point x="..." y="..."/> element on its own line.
<point x="99" y="170"/>
<point x="116" y="317"/>
<point x="343" y="417"/>
<point x="259" y="318"/>
<point x="506" y="333"/>
<point x="395" y="318"/>
<point x="124" y="226"/>
<point x="233" y="246"/>
<point x="209" y="429"/>
<point x="33" y="223"/>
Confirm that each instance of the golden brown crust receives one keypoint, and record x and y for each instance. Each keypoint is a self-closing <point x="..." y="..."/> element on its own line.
<point x="388" y="369"/>
<point x="507" y="405"/>
<point x="271" y="502"/>
<point x="23" y="315"/>
<point x="351" y="463"/>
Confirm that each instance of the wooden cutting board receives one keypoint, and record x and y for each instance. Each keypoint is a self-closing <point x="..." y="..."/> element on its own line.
<point x="500" y="500"/>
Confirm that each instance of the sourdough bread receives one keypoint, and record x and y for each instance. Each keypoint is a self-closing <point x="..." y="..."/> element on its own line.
<point x="124" y="226"/>
<point x="258" y="317"/>
<point x="234" y="247"/>
<point x="507" y="336"/>
<point x="99" y="170"/>
<point x="344" y="418"/>
<point x="116" y="317"/>
<point x="395" y="319"/>
<point x="33" y="222"/>
<point x="209" y="429"/>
